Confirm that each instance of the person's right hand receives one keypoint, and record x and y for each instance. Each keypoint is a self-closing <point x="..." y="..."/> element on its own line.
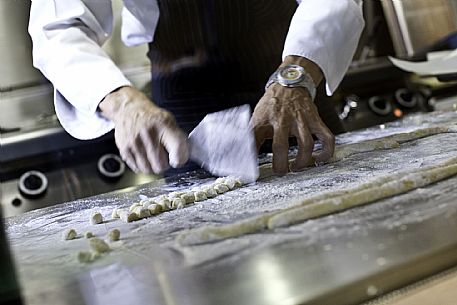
<point x="148" y="138"/>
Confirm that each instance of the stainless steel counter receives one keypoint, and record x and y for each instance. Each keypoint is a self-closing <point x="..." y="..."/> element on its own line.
<point x="344" y="258"/>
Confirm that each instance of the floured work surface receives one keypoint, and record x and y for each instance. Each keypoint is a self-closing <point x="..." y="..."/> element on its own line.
<point x="337" y="259"/>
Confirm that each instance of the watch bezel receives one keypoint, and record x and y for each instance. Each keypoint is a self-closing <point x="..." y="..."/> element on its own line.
<point x="290" y="82"/>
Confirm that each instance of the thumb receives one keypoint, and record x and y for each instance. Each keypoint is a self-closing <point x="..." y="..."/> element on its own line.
<point x="175" y="142"/>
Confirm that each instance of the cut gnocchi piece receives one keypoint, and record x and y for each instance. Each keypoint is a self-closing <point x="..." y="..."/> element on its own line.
<point x="114" y="235"/>
<point x="220" y="188"/>
<point x="85" y="257"/>
<point x="230" y="182"/>
<point x="200" y="195"/>
<point x="177" y="203"/>
<point x="96" y="218"/>
<point x="98" y="245"/>
<point x="69" y="234"/>
<point x="165" y="203"/>
<point x="175" y="194"/>
<point x="155" y="208"/>
<point x="134" y="206"/>
<point x="127" y="216"/>
<point x="141" y="212"/>
<point x="188" y="197"/>
<point x="209" y="191"/>
<point x="89" y="234"/>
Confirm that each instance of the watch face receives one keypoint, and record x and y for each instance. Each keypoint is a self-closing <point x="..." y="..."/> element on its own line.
<point x="291" y="74"/>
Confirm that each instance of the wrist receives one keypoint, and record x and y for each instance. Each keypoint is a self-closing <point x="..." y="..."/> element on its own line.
<point x="293" y="76"/>
<point x="310" y="67"/>
<point x="116" y="101"/>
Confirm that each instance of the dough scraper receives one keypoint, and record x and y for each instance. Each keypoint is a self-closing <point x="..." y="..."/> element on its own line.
<point x="224" y="144"/>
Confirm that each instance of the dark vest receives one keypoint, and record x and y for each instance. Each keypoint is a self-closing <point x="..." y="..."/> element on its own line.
<point x="208" y="55"/>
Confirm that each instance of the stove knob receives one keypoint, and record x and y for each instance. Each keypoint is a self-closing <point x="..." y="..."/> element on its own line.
<point x="406" y="98"/>
<point x="380" y="105"/>
<point x="33" y="184"/>
<point x="110" y="166"/>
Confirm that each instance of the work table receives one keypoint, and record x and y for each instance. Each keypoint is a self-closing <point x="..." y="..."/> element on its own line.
<point x="344" y="258"/>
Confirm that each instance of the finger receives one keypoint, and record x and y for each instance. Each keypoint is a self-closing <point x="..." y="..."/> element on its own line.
<point x="281" y="149"/>
<point x="305" y="143"/>
<point x="261" y="134"/>
<point x="260" y="121"/>
<point x="156" y="154"/>
<point x="175" y="142"/>
<point x="140" y="155"/>
<point x="325" y="136"/>
<point x="129" y="159"/>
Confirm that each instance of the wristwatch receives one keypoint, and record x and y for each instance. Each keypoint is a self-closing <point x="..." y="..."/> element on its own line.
<point x="293" y="76"/>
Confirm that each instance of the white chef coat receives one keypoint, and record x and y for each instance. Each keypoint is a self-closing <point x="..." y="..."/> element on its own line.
<point x="67" y="35"/>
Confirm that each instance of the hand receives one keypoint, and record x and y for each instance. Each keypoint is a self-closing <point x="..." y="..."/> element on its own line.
<point x="147" y="136"/>
<point x="283" y="112"/>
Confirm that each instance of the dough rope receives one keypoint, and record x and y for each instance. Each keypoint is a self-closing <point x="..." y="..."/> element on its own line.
<point x="395" y="187"/>
<point x="389" y="142"/>
<point x="326" y="203"/>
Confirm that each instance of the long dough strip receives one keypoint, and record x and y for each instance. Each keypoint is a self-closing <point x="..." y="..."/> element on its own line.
<point x="405" y="184"/>
<point x="393" y="141"/>
<point x="326" y="203"/>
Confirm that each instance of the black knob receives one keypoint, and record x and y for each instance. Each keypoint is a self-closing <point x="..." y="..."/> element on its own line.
<point x="111" y="166"/>
<point x="380" y="105"/>
<point x="33" y="184"/>
<point x="406" y="98"/>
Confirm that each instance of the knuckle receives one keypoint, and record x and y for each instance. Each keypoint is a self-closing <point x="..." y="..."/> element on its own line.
<point x="329" y="137"/>
<point x="167" y="118"/>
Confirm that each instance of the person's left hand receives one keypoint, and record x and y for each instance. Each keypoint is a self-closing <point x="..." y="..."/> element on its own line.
<point x="283" y="112"/>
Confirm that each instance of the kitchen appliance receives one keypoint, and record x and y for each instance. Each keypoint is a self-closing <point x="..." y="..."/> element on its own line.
<point x="15" y="47"/>
<point x="40" y="164"/>
<point x="416" y="24"/>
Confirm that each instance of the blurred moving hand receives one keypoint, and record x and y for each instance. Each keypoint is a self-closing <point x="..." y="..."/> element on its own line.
<point x="148" y="138"/>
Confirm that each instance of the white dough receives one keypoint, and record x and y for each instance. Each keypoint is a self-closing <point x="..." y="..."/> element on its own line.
<point x="141" y="212"/>
<point x="177" y="203"/>
<point x="88" y="235"/>
<point x="326" y="203"/>
<point x="134" y="206"/>
<point x="220" y="188"/>
<point x="127" y="216"/>
<point x="209" y="191"/>
<point x="98" y="245"/>
<point x="114" y="235"/>
<point x="114" y="213"/>
<point x="220" y="180"/>
<point x="238" y="182"/>
<point x="230" y="182"/>
<point x="84" y="257"/>
<point x="200" y="195"/>
<point x="188" y="197"/>
<point x="165" y="203"/>
<point x="69" y="234"/>
<point x="146" y="202"/>
<point x="96" y="218"/>
<point x="175" y="194"/>
<point x="154" y="208"/>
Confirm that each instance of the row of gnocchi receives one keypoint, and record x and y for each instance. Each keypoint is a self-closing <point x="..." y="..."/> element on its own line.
<point x="175" y="200"/>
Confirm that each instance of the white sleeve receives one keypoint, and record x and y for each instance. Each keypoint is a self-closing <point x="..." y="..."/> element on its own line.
<point x="326" y="32"/>
<point x="67" y="36"/>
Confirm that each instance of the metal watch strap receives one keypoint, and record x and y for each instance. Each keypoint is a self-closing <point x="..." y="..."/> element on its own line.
<point x="307" y="83"/>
